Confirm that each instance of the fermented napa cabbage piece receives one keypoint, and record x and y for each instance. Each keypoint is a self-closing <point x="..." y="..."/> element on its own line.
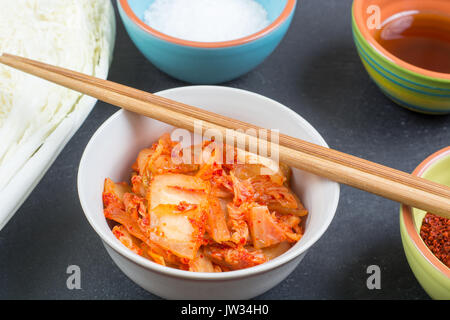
<point x="178" y="231"/>
<point x="177" y="188"/>
<point x="67" y="33"/>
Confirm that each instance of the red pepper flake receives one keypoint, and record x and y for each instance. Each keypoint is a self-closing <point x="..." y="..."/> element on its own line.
<point x="118" y="234"/>
<point x="184" y="206"/>
<point x="435" y="233"/>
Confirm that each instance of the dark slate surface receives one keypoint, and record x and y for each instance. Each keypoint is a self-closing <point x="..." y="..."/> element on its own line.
<point x="316" y="72"/>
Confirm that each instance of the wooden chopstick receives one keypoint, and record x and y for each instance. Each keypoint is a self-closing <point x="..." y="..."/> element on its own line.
<point x="334" y="165"/>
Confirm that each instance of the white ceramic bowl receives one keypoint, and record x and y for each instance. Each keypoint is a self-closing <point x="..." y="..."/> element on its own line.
<point x="113" y="149"/>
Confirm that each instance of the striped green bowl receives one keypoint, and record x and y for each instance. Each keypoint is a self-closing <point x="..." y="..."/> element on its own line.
<point x="409" y="86"/>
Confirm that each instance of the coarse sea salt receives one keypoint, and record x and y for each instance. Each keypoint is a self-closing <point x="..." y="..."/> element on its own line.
<point x="206" y="20"/>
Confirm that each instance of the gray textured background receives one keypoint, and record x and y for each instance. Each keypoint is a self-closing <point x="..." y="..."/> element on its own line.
<point x="316" y="72"/>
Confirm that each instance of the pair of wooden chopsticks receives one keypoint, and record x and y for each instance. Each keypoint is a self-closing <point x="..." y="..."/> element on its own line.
<point x="334" y="165"/>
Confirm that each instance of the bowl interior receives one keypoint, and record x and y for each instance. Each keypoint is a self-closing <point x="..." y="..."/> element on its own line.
<point x="438" y="172"/>
<point x="389" y="8"/>
<point x="114" y="147"/>
<point x="273" y="8"/>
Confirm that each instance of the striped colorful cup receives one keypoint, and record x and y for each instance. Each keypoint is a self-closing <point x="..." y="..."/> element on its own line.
<point x="409" y="86"/>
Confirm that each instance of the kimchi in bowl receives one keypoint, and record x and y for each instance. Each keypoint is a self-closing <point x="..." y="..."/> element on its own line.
<point x="113" y="149"/>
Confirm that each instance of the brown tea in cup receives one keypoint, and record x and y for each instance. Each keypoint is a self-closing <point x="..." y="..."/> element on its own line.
<point x="419" y="38"/>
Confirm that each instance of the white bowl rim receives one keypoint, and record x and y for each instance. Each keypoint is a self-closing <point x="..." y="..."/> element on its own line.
<point x="230" y="275"/>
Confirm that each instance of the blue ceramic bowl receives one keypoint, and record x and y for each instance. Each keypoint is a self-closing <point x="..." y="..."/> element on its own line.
<point x="206" y="62"/>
